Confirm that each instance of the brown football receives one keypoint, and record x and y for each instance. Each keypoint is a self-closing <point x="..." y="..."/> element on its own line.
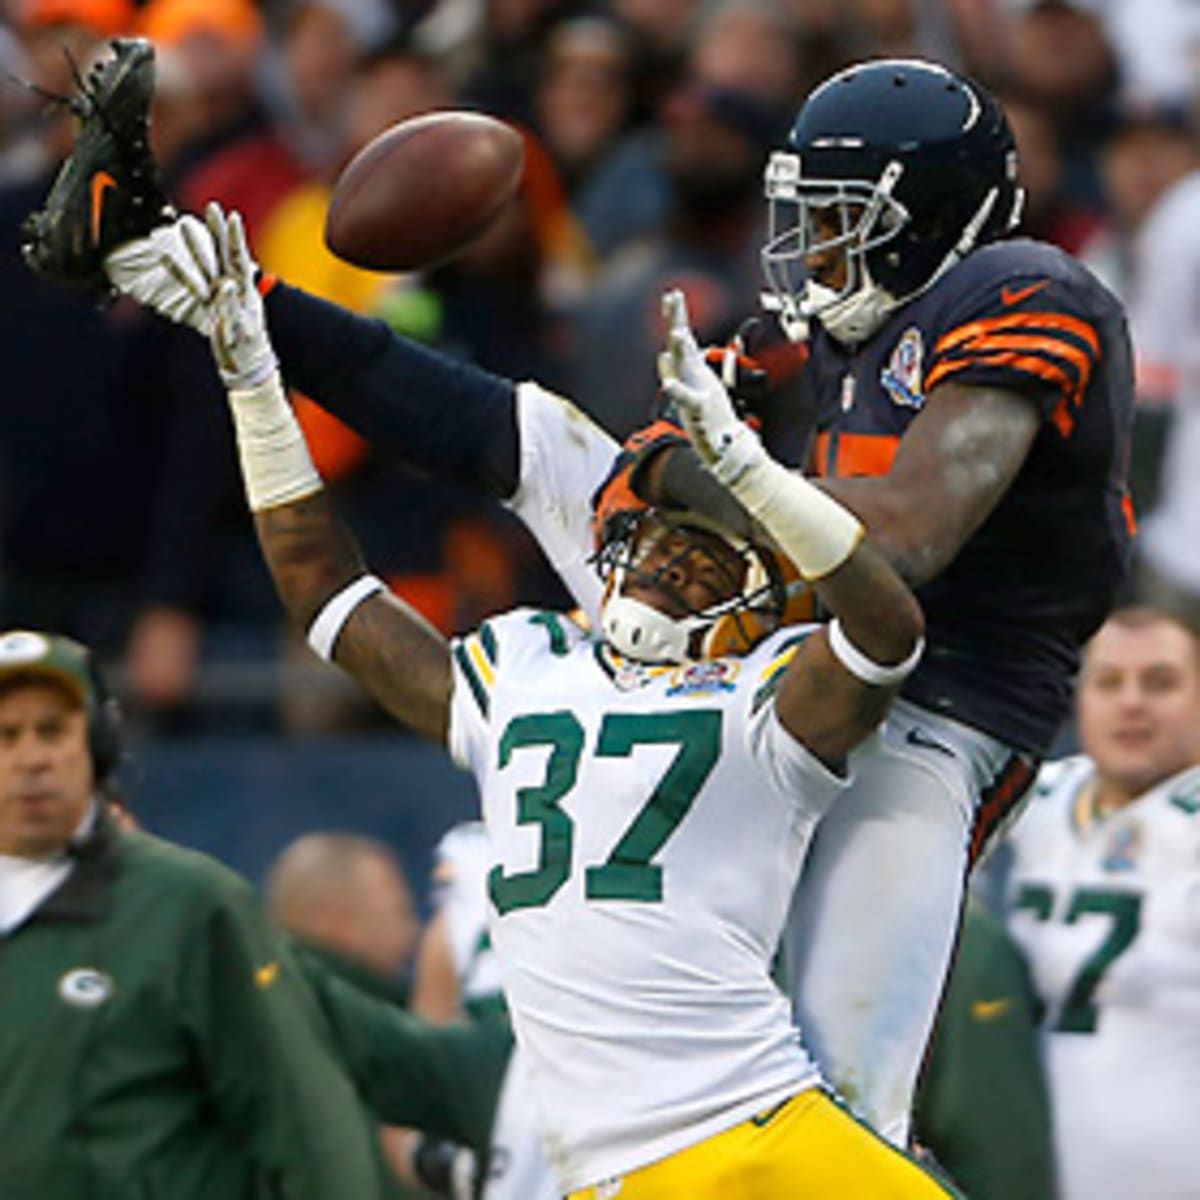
<point x="423" y="190"/>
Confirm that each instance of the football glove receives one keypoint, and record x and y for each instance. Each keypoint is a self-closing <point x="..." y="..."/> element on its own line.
<point x="724" y="442"/>
<point x="161" y="272"/>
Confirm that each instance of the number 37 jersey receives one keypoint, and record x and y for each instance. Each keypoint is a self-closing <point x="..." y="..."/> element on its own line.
<point x="647" y="825"/>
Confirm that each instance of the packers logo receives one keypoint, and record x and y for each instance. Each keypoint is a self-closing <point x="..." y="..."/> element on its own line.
<point x="85" y="987"/>
<point x="904" y="373"/>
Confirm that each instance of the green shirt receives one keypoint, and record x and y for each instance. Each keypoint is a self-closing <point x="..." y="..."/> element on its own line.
<point x="159" y="1043"/>
<point x="441" y="1079"/>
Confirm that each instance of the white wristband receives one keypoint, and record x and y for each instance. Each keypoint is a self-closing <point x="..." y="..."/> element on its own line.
<point x="337" y="610"/>
<point x="276" y="466"/>
<point x="867" y="669"/>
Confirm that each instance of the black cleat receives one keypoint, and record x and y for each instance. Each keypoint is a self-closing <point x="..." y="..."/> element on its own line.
<point x="107" y="192"/>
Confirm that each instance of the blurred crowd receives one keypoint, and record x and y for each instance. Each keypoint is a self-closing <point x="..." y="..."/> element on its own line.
<point x="647" y="124"/>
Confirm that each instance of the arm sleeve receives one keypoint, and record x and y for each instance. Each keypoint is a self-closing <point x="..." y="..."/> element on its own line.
<point x="269" y="1071"/>
<point x="444" y="1080"/>
<point x="447" y="417"/>
<point x="792" y="769"/>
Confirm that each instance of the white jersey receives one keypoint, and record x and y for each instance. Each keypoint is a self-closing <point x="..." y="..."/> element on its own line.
<point x="517" y="1167"/>
<point x="647" y="826"/>
<point x="565" y="457"/>
<point x="1108" y="913"/>
<point x="461" y="862"/>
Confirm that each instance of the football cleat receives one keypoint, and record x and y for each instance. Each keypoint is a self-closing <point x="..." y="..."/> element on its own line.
<point x="107" y="192"/>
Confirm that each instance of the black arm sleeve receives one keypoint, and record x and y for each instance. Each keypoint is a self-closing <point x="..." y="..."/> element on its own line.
<point x="447" y="417"/>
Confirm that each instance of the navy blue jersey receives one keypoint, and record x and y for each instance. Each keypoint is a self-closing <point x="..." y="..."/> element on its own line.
<point x="1007" y="617"/>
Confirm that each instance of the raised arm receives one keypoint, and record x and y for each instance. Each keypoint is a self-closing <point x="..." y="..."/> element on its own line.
<point x="954" y="463"/>
<point x="318" y="570"/>
<point x="445" y="416"/>
<point x="953" y="466"/>
<point x="838" y="685"/>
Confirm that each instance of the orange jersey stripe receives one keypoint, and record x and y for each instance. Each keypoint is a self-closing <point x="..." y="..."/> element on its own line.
<point x="1046" y="345"/>
<point x="1023" y="362"/>
<point x="1072" y="389"/>
<point x="989" y="325"/>
<point x="1130" y="514"/>
<point x="856" y="453"/>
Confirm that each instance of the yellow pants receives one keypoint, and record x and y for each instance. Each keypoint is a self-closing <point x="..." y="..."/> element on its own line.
<point x="806" y="1149"/>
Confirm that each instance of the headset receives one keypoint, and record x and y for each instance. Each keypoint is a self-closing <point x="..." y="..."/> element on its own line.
<point x="104" y="725"/>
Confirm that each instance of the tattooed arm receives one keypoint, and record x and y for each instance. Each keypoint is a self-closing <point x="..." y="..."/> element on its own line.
<point x="385" y="644"/>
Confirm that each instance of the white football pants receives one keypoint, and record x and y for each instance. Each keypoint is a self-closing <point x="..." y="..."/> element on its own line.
<point x="875" y="915"/>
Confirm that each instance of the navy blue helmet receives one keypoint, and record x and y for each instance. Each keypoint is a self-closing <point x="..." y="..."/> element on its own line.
<point x="898" y="167"/>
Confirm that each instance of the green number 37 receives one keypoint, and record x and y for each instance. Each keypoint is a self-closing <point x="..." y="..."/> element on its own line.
<point x="1121" y="909"/>
<point x="628" y="873"/>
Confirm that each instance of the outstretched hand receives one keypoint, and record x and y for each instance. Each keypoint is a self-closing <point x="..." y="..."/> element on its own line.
<point x="157" y="270"/>
<point x="242" y="348"/>
<point x="723" y="441"/>
<point x="202" y="274"/>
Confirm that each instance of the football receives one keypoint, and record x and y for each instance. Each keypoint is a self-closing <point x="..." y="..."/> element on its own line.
<point x="423" y="190"/>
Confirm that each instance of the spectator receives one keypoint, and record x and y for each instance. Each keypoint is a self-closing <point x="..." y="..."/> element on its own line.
<point x="238" y="156"/>
<point x="309" y="69"/>
<point x="1104" y="903"/>
<point x="1058" y="57"/>
<point x="1149" y="150"/>
<point x="157" y="1040"/>
<point x="1049" y="212"/>
<point x="584" y="99"/>
<point x="1165" y="314"/>
<point x="347" y="901"/>
<point x="714" y="142"/>
<point x="145" y="473"/>
<point x="459" y="973"/>
<point x="347" y="897"/>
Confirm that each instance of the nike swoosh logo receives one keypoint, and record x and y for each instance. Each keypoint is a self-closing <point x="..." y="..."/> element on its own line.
<point x="266" y="975"/>
<point x="918" y="737"/>
<point x="989" y="1010"/>
<point x="1011" y="296"/>
<point x="101" y="182"/>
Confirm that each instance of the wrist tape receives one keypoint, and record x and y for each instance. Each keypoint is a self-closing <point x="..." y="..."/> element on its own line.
<point x="816" y="532"/>
<point x="276" y="466"/>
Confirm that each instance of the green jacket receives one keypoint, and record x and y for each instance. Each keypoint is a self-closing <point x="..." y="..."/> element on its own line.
<point x="982" y="1107"/>
<point x="320" y="964"/>
<point x="444" y="1080"/>
<point x="158" y="1043"/>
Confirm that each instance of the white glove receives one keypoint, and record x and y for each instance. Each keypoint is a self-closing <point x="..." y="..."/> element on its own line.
<point x="243" y="350"/>
<point x="811" y="528"/>
<point x="159" y="271"/>
<point x="725" y="443"/>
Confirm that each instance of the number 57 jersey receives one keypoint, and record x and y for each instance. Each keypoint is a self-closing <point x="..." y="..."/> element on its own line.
<point x="647" y="825"/>
<point x="1107" y="910"/>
